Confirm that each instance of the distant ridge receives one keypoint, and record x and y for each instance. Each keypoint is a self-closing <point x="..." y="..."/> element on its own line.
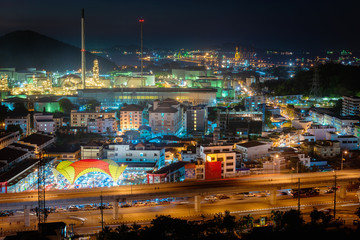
<point x="25" y="49"/>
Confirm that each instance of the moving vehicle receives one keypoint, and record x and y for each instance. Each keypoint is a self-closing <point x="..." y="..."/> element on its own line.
<point x="305" y="192"/>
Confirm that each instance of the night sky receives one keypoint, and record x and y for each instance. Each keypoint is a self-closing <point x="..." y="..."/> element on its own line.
<point x="285" y="25"/>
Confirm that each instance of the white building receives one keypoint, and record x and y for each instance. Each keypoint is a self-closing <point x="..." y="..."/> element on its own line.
<point x="92" y="150"/>
<point x="301" y="124"/>
<point x="44" y="123"/>
<point x="253" y="149"/>
<point x="348" y="142"/>
<point x="320" y="131"/>
<point x="138" y="154"/>
<point x="223" y="154"/>
<point x="22" y="121"/>
<point x="165" y="117"/>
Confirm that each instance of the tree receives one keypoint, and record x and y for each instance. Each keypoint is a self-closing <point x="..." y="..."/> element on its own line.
<point x="92" y="104"/>
<point x="14" y="128"/>
<point x="315" y="216"/>
<point x="292" y="220"/>
<point x="19" y="108"/>
<point x="66" y="105"/>
<point x="3" y="112"/>
<point x="276" y="217"/>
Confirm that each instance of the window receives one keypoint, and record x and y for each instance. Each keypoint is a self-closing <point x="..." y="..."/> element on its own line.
<point x="229" y="157"/>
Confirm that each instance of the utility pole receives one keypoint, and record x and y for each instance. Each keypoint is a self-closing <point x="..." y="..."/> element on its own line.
<point x="299" y="194"/>
<point x="41" y="211"/>
<point x="102" y="212"/>
<point x="335" y="196"/>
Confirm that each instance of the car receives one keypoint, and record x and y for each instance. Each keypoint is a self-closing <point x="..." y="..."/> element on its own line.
<point x="60" y="210"/>
<point x="73" y="208"/>
<point x="88" y="207"/>
<point x="222" y="196"/>
<point x="125" y="206"/>
<point x="210" y="198"/>
<point x="248" y="194"/>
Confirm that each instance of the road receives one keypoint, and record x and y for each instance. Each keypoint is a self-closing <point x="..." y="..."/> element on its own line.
<point x="237" y="205"/>
<point x="187" y="188"/>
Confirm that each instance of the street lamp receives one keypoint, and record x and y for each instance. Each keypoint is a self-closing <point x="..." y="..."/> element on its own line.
<point x="343" y="159"/>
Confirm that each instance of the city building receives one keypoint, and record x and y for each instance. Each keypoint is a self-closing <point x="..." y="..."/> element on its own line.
<point x="138" y="154"/>
<point x="221" y="155"/>
<point x="327" y="149"/>
<point x="22" y="120"/>
<point x="115" y="97"/>
<point x="102" y="125"/>
<point x="67" y="152"/>
<point x="39" y="141"/>
<point x="196" y="120"/>
<point x="240" y="123"/>
<point x="131" y="117"/>
<point x="175" y="172"/>
<point x="165" y="117"/>
<point x="348" y="142"/>
<point x="253" y="150"/>
<point x="255" y="103"/>
<point x="145" y="132"/>
<point x="10" y="156"/>
<point x="44" y="122"/>
<point x="320" y="131"/>
<point x="92" y="150"/>
<point x="80" y="119"/>
<point x="8" y="138"/>
<point x="350" y="106"/>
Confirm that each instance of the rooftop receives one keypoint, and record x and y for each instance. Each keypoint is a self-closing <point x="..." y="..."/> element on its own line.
<point x="170" y="168"/>
<point x="251" y="144"/>
<point x="37" y="139"/>
<point x="131" y="107"/>
<point x="10" y="154"/>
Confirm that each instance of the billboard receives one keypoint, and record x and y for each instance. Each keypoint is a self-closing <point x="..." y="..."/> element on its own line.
<point x="212" y="170"/>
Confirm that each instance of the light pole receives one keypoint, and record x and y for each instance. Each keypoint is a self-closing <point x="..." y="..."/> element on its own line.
<point x="343" y="159"/>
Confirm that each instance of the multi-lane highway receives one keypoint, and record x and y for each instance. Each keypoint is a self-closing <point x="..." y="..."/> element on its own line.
<point x="187" y="188"/>
<point x="238" y="205"/>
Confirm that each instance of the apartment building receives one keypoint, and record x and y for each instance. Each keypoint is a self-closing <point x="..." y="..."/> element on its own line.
<point x="138" y="154"/>
<point x="165" y="117"/>
<point x="350" y="106"/>
<point x="102" y="125"/>
<point x="44" y="122"/>
<point x="22" y="120"/>
<point x="80" y="119"/>
<point x="131" y="117"/>
<point x="220" y="155"/>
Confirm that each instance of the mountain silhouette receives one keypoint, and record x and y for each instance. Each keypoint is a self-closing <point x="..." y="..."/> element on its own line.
<point x="25" y="49"/>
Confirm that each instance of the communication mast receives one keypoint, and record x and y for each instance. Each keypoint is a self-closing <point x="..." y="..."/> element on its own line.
<point x="83" y="66"/>
<point x="141" y="21"/>
<point x="315" y="87"/>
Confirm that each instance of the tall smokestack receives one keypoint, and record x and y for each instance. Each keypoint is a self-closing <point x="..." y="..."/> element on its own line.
<point x="83" y="48"/>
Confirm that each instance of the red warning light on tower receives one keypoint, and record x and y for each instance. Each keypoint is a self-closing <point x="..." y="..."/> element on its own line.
<point x="141" y="20"/>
